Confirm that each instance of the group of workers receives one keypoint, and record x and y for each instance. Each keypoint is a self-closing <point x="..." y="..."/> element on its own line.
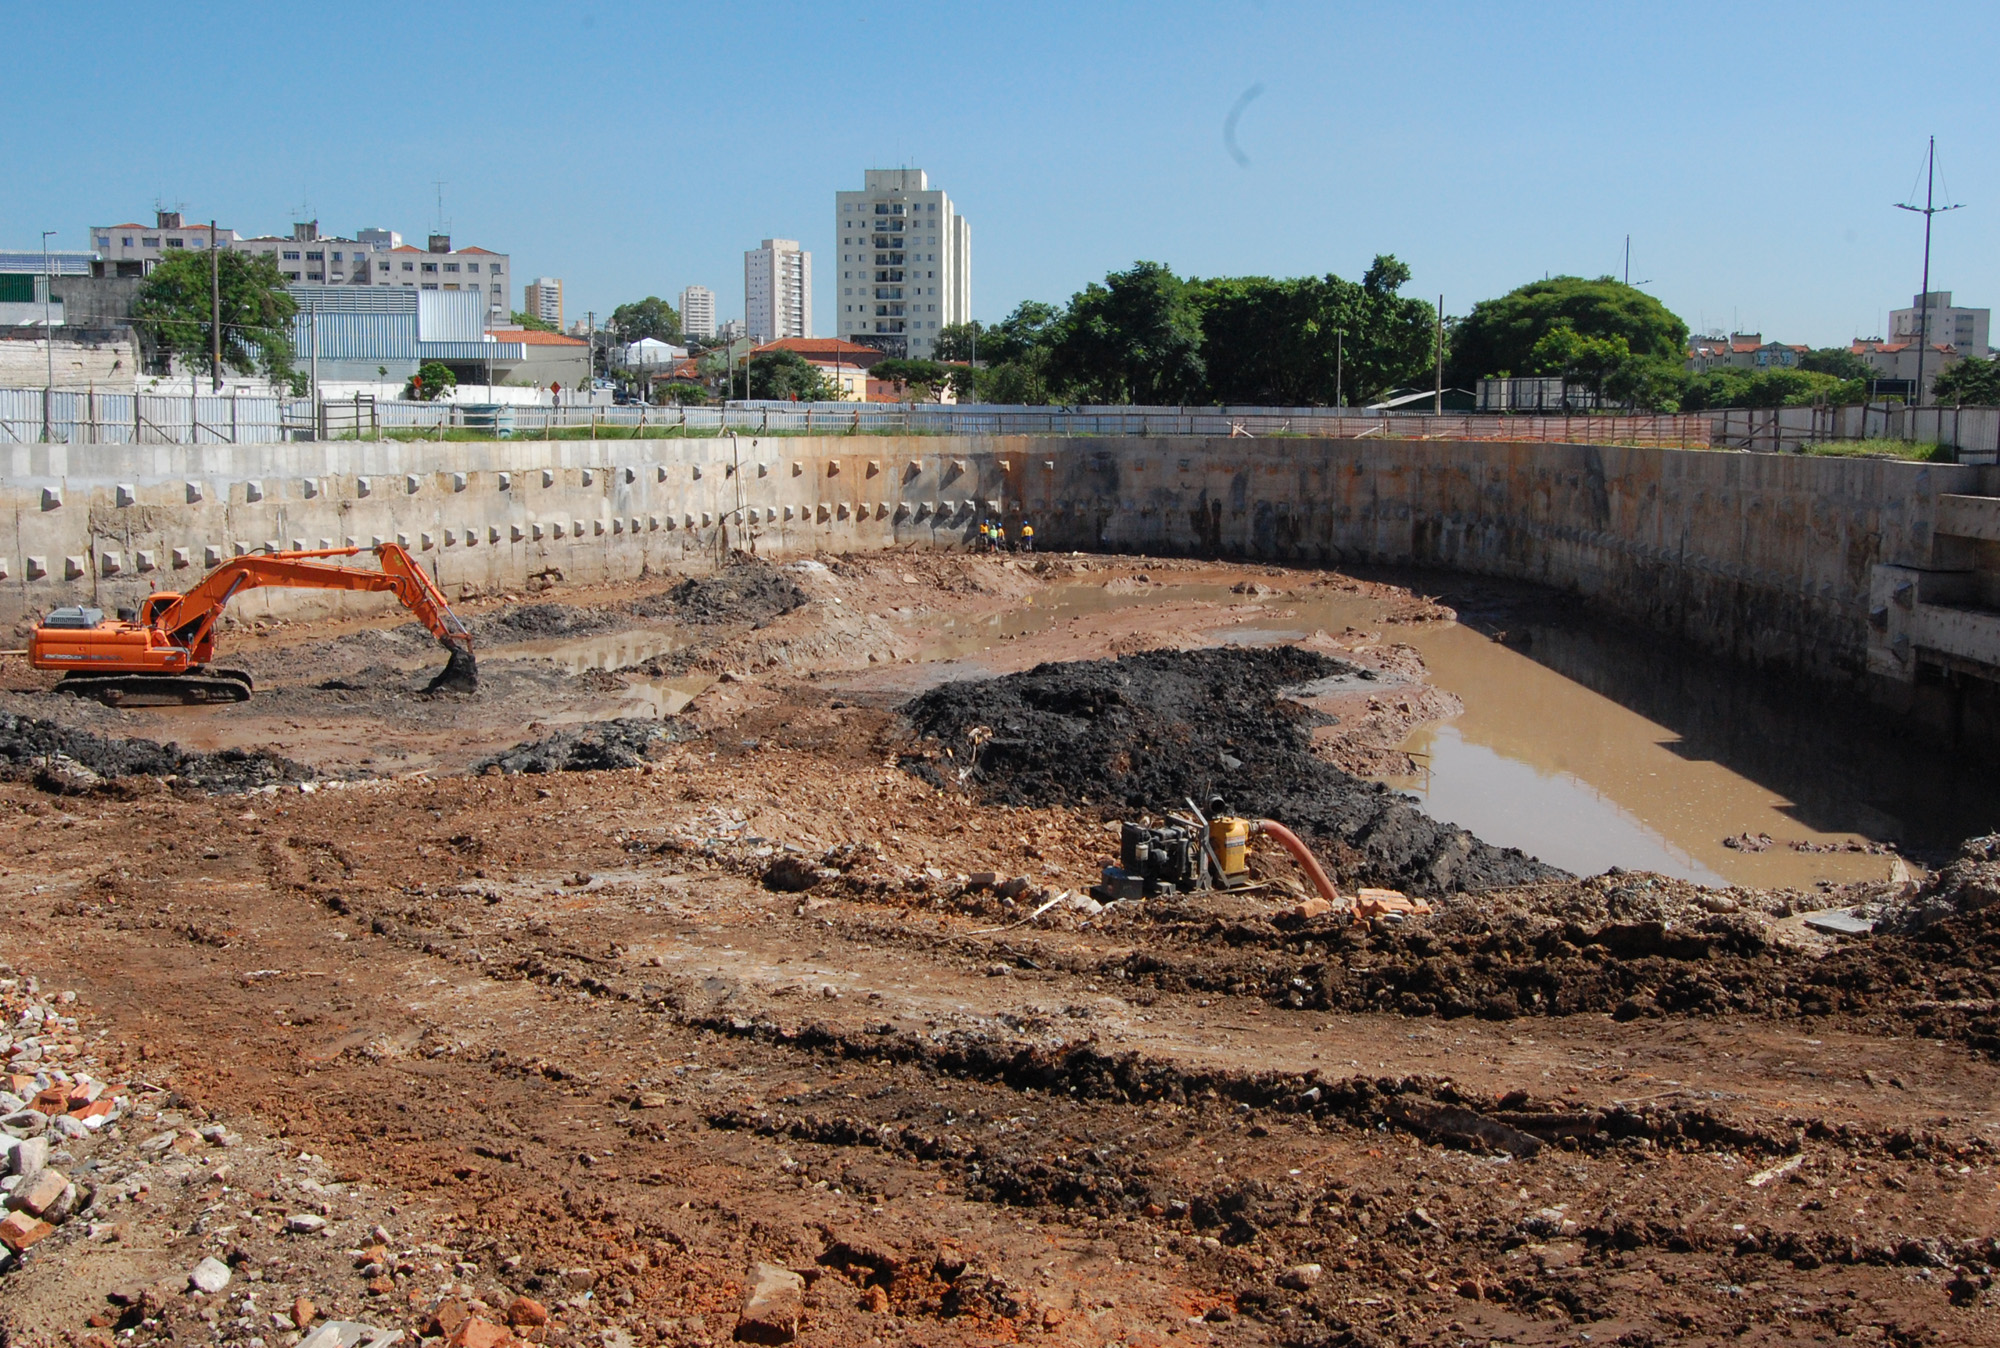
<point x="993" y="536"/>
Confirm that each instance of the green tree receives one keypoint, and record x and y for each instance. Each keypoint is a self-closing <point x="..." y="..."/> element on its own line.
<point x="1970" y="383"/>
<point x="1031" y="327"/>
<point x="1284" y="342"/>
<point x="921" y="379"/>
<point x="1838" y="361"/>
<point x="175" y="306"/>
<point x="682" y="392"/>
<point x="1500" y="334"/>
<point x="1769" y="388"/>
<point x="651" y="317"/>
<point x="787" y="374"/>
<point x="962" y="341"/>
<point x="1134" y="339"/>
<point x="436" y="377"/>
<point x="523" y="319"/>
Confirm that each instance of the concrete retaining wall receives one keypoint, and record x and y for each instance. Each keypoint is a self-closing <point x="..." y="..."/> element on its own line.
<point x="1765" y="558"/>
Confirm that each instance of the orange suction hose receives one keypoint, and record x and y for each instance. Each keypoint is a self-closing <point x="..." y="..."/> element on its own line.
<point x="1308" y="863"/>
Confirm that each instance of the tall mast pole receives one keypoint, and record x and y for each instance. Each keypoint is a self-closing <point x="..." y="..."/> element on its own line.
<point x="1927" y="210"/>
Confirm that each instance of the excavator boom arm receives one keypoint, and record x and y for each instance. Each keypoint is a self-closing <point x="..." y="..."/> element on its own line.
<point x="192" y="617"/>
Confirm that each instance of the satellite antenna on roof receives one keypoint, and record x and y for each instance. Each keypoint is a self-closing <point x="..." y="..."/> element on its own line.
<point x="1927" y="210"/>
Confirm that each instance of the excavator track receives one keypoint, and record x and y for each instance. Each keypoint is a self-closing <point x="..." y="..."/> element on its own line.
<point x="159" y="690"/>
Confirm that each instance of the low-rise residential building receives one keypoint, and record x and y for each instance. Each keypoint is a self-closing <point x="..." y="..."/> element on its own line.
<point x="1964" y="329"/>
<point x="698" y="312"/>
<point x="1742" y="351"/>
<point x="842" y="364"/>
<point x="135" y="249"/>
<point x="1895" y="363"/>
<point x="306" y="257"/>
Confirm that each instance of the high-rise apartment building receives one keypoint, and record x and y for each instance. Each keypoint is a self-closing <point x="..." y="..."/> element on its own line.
<point x="542" y="298"/>
<point x="905" y="263"/>
<point x="777" y="290"/>
<point x="698" y="312"/>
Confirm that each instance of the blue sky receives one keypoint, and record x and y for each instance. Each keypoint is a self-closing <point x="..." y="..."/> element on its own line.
<point x="1752" y="152"/>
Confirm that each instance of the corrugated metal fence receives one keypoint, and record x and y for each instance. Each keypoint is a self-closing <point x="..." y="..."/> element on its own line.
<point x="1972" y="433"/>
<point x="91" y="417"/>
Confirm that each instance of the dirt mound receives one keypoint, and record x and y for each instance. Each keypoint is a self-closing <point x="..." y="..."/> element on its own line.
<point x="1143" y="731"/>
<point x="30" y="747"/>
<point x="541" y="622"/>
<point x="1969" y="884"/>
<point x="595" y="747"/>
<point x="748" y="590"/>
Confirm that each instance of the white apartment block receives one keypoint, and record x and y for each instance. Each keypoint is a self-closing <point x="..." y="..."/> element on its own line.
<point x="905" y="263"/>
<point x="542" y="298"/>
<point x="698" y="312"/>
<point x="134" y="250"/>
<point x="1966" y="329"/>
<point x="374" y="257"/>
<point x="777" y="290"/>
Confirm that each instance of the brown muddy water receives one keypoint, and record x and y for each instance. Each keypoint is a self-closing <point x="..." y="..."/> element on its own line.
<point x="1591" y="748"/>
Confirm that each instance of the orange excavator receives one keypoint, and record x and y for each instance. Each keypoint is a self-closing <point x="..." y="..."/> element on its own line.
<point x="158" y="654"/>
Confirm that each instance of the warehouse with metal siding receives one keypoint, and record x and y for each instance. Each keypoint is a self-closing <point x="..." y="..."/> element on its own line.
<point x="356" y="332"/>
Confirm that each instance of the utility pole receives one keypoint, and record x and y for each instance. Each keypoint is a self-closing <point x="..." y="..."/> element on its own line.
<point x="48" y="339"/>
<point x="1437" y="396"/>
<point x="1927" y="210"/>
<point x="1339" y="356"/>
<point x="215" y="313"/>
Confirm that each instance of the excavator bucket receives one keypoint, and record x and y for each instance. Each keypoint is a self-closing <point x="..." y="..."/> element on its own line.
<point x="460" y="673"/>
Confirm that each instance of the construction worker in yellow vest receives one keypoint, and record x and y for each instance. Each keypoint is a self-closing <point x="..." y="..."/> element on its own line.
<point x="999" y="536"/>
<point x="1027" y="536"/>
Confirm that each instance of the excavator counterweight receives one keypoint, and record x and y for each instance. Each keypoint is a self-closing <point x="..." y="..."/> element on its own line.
<point x="158" y="654"/>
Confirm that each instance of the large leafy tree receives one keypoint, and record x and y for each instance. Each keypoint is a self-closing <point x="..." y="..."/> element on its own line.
<point x="1285" y="342"/>
<point x="787" y="374"/>
<point x="1499" y="335"/>
<point x="1728" y="387"/>
<point x="1134" y="339"/>
<point x="650" y="317"/>
<point x="1970" y="383"/>
<point x="962" y="341"/>
<point x="175" y="306"/>
<point x="1838" y="361"/>
<point x="527" y="320"/>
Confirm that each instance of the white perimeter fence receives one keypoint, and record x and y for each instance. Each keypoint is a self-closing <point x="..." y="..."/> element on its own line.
<point x="96" y="417"/>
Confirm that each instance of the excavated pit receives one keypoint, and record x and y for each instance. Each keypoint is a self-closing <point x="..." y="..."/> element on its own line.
<point x="524" y="1002"/>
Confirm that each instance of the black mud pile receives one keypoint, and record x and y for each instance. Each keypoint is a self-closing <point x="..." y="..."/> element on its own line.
<point x="595" y="747"/>
<point x="1144" y="731"/>
<point x="749" y="590"/>
<point x="33" y="748"/>
<point x="541" y="622"/>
